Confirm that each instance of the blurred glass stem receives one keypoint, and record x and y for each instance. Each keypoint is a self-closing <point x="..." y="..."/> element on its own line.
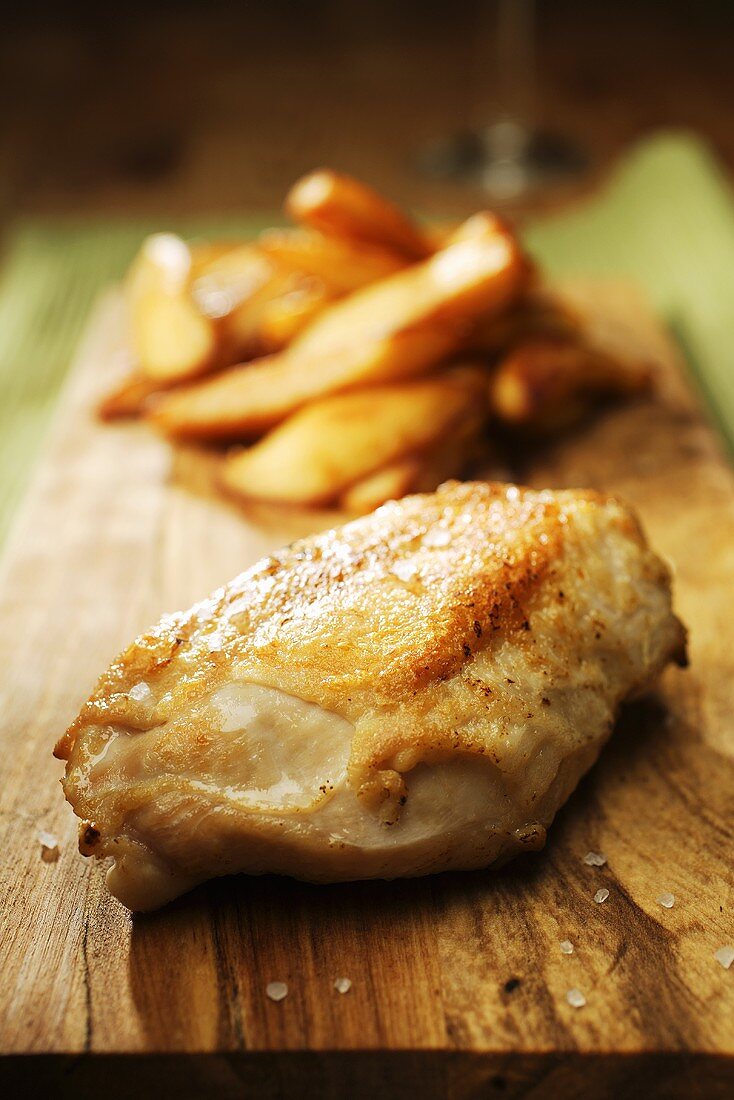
<point x="513" y="31"/>
<point x="510" y="157"/>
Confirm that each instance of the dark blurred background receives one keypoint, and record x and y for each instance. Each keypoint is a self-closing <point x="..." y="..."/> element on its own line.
<point x="200" y="106"/>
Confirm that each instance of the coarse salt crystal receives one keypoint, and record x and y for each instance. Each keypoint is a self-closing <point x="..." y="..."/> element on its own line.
<point x="49" y="846"/>
<point x="277" y="991"/>
<point x="667" y="900"/>
<point x="575" y="998"/>
<point x="566" y="947"/>
<point x="342" y="985"/>
<point x="725" y="956"/>
<point x="139" y="692"/>
<point x="601" y="895"/>
<point x="594" y="859"/>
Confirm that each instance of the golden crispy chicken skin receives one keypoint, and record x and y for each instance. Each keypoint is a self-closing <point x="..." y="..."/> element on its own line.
<point x="418" y="690"/>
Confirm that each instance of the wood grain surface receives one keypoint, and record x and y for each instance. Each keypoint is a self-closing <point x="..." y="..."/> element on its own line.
<point x="458" y="981"/>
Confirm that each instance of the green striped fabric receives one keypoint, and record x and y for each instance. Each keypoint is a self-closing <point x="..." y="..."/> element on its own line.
<point x="666" y="219"/>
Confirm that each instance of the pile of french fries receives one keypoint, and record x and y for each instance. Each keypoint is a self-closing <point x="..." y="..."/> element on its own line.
<point x="357" y="356"/>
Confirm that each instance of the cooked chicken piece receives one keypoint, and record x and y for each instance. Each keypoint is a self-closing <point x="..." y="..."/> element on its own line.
<point x="417" y="691"/>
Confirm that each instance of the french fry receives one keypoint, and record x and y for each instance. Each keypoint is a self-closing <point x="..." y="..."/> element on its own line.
<point x="398" y="328"/>
<point x="170" y="337"/>
<point x="545" y="385"/>
<point x="321" y="450"/>
<point x="344" y="266"/>
<point x="341" y="206"/>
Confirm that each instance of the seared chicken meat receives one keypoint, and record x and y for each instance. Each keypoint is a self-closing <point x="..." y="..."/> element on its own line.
<point x="419" y="690"/>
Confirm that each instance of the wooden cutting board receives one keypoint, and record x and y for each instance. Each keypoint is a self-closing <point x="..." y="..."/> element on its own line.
<point x="458" y="982"/>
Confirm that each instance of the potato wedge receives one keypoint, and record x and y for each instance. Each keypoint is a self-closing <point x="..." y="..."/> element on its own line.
<point x="287" y="315"/>
<point x="249" y="332"/>
<point x="127" y="399"/>
<point x="343" y="266"/>
<point x="450" y="457"/>
<point x="454" y="455"/>
<point x="398" y="328"/>
<point x="170" y="337"/>
<point x="538" y="314"/>
<point x="224" y="280"/>
<point x="341" y="206"/>
<point x="440" y="234"/>
<point x="440" y="296"/>
<point x="479" y="225"/>
<point x="204" y="253"/>
<point x="236" y="290"/>
<point x="390" y="482"/>
<point x="321" y="450"/>
<point x="546" y="384"/>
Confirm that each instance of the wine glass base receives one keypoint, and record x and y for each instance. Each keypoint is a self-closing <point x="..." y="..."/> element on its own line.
<point x="506" y="160"/>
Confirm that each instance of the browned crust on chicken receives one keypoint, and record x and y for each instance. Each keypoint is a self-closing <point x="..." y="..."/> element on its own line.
<point x="374" y="620"/>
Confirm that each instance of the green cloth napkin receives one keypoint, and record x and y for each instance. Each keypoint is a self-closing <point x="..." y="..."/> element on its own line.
<point x="665" y="219"/>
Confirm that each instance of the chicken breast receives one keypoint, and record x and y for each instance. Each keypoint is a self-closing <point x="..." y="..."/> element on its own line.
<point x="419" y="690"/>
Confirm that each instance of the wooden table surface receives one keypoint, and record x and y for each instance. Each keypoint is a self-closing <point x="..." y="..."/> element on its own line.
<point x="190" y="106"/>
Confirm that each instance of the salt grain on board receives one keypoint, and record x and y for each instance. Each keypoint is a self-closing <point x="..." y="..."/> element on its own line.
<point x="601" y="895"/>
<point x="566" y="947"/>
<point x="49" y="846"/>
<point x="594" y="859"/>
<point x="575" y="998"/>
<point x="725" y="956"/>
<point x="342" y="985"/>
<point x="667" y="900"/>
<point x="276" y="990"/>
